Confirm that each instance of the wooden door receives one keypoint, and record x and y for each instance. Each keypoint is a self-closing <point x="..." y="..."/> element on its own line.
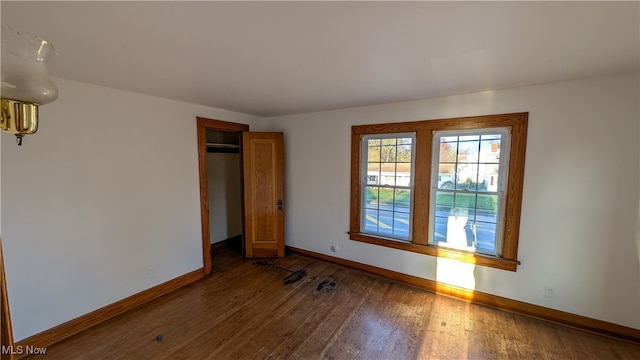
<point x="263" y="165"/>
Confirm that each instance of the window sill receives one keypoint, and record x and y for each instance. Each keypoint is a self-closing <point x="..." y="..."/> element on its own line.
<point x="464" y="256"/>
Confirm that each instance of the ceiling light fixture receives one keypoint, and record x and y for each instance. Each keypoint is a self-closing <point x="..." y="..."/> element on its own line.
<point x="25" y="81"/>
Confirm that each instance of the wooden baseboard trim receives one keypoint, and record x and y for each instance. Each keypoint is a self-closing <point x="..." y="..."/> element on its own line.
<point x="74" y="326"/>
<point x="219" y="245"/>
<point x="477" y="297"/>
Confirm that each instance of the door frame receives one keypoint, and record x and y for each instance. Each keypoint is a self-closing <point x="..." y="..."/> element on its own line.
<point x="203" y="125"/>
<point x="6" y="332"/>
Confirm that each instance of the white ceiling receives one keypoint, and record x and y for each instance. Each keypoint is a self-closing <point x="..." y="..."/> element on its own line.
<point x="276" y="58"/>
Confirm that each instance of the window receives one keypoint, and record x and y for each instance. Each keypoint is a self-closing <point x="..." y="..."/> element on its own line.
<point x="449" y="188"/>
<point x="387" y="168"/>
<point x="467" y="208"/>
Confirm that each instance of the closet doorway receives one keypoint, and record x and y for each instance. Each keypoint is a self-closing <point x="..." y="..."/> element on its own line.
<point x="221" y="189"/>
<point x="224" y="173"/>
<point x="261" y="155"/>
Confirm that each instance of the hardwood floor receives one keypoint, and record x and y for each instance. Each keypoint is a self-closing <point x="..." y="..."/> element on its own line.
<point x="244" y="310"/>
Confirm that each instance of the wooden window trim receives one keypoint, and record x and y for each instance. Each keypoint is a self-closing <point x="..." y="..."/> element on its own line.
<point x="508" y="259"/>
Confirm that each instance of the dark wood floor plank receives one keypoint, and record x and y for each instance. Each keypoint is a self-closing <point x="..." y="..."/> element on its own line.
<point x="334" y="308"/>
<point x="244" y="310"/>
<point x="305" y="314"/>
<point x="287" y="313"/>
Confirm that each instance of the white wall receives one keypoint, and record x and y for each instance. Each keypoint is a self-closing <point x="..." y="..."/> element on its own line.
<point x="225" y="196"/>
<point x="106" y="189"/>
<point x="579" y="211"/>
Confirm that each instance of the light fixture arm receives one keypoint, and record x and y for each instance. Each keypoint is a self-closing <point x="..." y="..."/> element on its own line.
<point x="25" y="82"/>
<point x="19" y="118"/>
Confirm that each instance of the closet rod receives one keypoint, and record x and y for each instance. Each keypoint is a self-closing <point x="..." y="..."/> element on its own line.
<point x="226" y="146"/>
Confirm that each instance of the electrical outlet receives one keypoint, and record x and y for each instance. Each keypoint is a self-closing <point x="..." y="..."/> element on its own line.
<point x="334" y="246"/>
<point x="151" y="272"/>
<point x="549" y="291"/>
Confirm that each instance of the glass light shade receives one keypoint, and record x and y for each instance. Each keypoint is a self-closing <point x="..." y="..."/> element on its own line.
<point x="24" y="75"/>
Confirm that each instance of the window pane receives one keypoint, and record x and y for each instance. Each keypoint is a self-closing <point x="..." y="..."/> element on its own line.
<point x="487" y="208"/>
<point x="371" y="197"/>
<point x="385" y="222"/>
<point x="403" y="174"/>
<point x="467" y="175"/>
<point x="403" y="180"/>
<point x="465" y="205"/>
<point x="373" y="142"/>
<point x="388" y="174"/>
<point x="373" y="173"/>
<point x="440" y="229"/>
<point x="468" y="151"/>
<point x="459" y="230"/>
<point x="391" y="141"/>
<point x="371" y="220"/>
<point x="402" y="200"/>
<point x="449" y="139"/>
<point x="490" y="151"/>
<point x="385" y="198"/>
<point x="444" y="203"/>
<point x="485" y="236"/>
<point x="388" y="153"/>
<point x="446" y="176"/>
<point x="405" y="141"/>
<point x="373" y="154"/>
<point x="448" y="152"/>
<point x="401" y="225"/>
<point x="488" y="177"/>
<point x="404" y="153"/>
<point x="452" y="230"/>
<point x="387" y="180"/>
